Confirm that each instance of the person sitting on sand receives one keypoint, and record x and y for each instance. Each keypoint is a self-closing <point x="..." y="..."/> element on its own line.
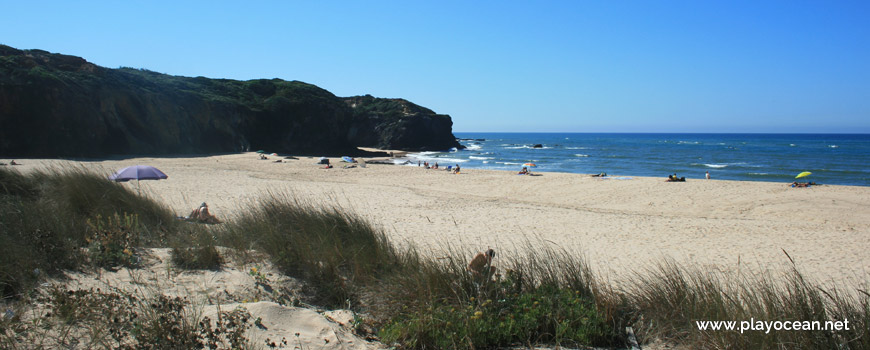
<point x="673" y="178"/>
<point x="263" y="157"/>
<point x="456" y="169"/>
<point x="524" y="171"/>
<point x="482" y="263"/>
<point x="201" y="214"/>
<point x="436" y="166"/>
<point x="13" y="162"/>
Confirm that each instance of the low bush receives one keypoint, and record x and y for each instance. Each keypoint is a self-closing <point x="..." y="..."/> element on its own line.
<point x="113" y="241"/>
<point x="196" y="258"/>
<point x="96" y="319"/>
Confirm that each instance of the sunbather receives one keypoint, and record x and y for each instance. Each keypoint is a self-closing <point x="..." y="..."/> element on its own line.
<point x="201" y="214"/>
<point x="482" y="264"/>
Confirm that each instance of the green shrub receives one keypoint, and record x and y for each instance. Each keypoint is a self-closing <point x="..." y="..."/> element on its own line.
<point x="96" y="319"/>
<point x="547" y="315"/>
<point x="112" y="242"/>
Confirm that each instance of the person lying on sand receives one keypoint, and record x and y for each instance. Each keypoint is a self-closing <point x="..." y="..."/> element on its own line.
<point x="201" y="214"/>
<point x="482" y="263"/>
<point x="802" y="184"/>
<point x="673" y="178"/>
<point x="601" y="175"/>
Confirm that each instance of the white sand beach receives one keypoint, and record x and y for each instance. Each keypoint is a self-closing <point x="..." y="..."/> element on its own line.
<point x="622" y="226"/>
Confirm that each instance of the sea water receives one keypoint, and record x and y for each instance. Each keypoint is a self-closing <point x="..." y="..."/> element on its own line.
<point x="839" y="159"/>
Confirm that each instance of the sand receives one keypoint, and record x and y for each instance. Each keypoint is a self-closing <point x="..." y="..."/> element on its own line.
<point x="275" y="300"/>
<point x="621" y="226"/>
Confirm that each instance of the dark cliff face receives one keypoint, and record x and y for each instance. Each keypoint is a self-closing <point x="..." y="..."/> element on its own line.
<point x="55" y="105"/>
<point x="398" y="124"/>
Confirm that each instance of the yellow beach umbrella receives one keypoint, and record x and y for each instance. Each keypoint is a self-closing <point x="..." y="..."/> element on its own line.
<point x="803" y="174"/>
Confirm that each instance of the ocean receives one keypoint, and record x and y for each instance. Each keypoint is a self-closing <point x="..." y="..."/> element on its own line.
<point x="837" y="159"/>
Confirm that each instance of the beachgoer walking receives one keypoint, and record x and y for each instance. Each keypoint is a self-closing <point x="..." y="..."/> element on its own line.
<point x="708" y="175"/>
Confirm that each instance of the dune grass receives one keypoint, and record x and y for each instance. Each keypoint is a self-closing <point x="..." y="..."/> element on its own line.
<point x="419" y="302"/>
<point x="336" y="252"/>
<point x="47" y="216"/>
<point x="670" y="299"/>
<point x="540" y="295"/>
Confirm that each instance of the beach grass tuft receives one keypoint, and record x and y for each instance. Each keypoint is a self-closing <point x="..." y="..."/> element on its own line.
<point x="670" y="299"/>
<point x="332" y="249"/>
<point x="47" y="216"/>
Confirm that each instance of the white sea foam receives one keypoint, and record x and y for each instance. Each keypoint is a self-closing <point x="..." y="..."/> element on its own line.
<point x="576" y="147"/>
<point x="759" y="174"/>
<point x="581" y="155"/>
<point x="433" y="157"/>
<point x="479" y="158"/>
<point x="833" y="146"/>
<point x="473" y="147"/>
<point x="716" y="166"/>
<point x="792" y="145"/>
<point x="527" y="147"/>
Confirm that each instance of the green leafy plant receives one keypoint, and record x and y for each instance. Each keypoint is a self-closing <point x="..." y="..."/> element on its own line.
<point x="112" y="242"/>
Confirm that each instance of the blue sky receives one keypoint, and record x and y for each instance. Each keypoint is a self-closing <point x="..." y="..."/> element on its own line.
<point x="572" y="66"/>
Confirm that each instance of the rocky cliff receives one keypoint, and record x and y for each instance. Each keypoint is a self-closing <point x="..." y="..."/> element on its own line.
<point x="393" y="123"/>
<point x="54" y="105"/>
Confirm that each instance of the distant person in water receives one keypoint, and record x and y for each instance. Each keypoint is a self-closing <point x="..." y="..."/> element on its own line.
<point x="482" y="264"/>
<point x="202" y="214"/>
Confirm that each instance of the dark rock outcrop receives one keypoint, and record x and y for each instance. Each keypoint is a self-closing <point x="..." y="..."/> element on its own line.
<point x="394" y="123"/>
<point x="54" y="105"/>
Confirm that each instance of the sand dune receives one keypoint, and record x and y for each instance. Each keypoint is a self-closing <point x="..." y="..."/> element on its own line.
<point x="622" y="226"/>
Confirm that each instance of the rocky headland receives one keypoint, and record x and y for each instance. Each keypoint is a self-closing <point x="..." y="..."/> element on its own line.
<point x="54" y="105"/>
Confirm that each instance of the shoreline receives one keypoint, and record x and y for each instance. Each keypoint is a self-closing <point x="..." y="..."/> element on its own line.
<point x="620" y="226"/>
